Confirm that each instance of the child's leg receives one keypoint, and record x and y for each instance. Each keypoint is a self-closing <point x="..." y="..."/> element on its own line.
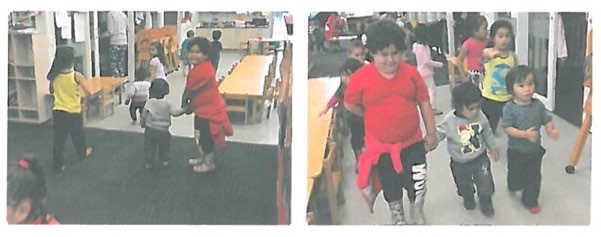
<point x="61" y="126"/>
<point x="150" y="146"/>
<point x="132" y="111"/>
<point x="163" y="146"/>
<point x="462" y="174"/>
<point x="77" y="134"/>
<point x="141" y="107"/>
<point x="484" y="183"/>
<point x="357" y="138"/>
<point x="533" y="178"/>
<point x="414" y="180"/>
<point x="493" y="111"/>
<point x="516" y="173"/>
<point x="392" y="187"/>
<point x="431" y="90"/>
<point x="204" y="141"/>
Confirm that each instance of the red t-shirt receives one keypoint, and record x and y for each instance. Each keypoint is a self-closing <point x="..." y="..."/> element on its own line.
<point x="474" y="53"/>
<point x="208" y="98"/>
<point x="391" y="113"/>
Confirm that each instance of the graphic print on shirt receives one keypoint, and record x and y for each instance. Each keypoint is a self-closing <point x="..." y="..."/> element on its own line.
<point x="498" y="76"/>
<point x="469" y="137"/>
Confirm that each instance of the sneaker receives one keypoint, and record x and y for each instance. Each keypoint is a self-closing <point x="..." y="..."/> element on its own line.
<point x="134" y="122"/>
<point x="165" y="163"/>
<point x="469" y="203"/>
<point x="202" y="168"/>
<point x="486" y="206"/>
<point x="196" y="161"/>
<point x="535" y="210"/>
<point x="397" y="213"/>
<point x="89" y="152"/>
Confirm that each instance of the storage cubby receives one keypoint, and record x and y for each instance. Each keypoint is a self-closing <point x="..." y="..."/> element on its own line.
<point x="27" y="95"/>
<point x="22" y="47"/>
<point x="25" y="72"/>
<point x="29" y="116"/>
<point x="11" y="70"/>
<point x="13" y="113"/>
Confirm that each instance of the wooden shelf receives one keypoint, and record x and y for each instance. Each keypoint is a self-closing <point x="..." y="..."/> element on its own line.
<point x="22" y="78"/>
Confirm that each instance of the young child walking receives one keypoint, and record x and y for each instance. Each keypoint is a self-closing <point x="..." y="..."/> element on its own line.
<point x="356" y="50"/>
<point x="184" y="52"/>
<point x="156" y="119"/>
<point x="472" y="48"/>
<point x="65" y="85"/>
<point x="425" y="64"/>
<point x="355" y="122"/>
<point x="211" y="123"/>
<point x="469" y="137"/>
<point x="138" y="94"/>
<point x="523" y="118"/>
<point x="26" y="193"/>
<point x="157" y="62"/>
<point x="499" y="59"/>
<point x="216" y="47"/>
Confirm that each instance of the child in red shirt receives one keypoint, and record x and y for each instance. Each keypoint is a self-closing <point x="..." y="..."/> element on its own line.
<point x="211" y="123"/>
<point x="387" y="92"/>
<point x="26" y="193"/>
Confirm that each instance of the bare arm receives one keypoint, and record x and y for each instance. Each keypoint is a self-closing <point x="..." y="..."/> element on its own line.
<point x="82" y="83"/>
<point x="152" y="72"/>
<point x="550" y="129"/>
<point x="428" y="118"/>
<point x="143" y="118"/>
<point x="489" y="53"/>
<point x="460" y="59"/>
<point x="51" y="87"/>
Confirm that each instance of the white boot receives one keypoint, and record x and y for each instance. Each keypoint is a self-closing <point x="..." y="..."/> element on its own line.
<point x="416" y="213"/>
<point x="397" y="212"/>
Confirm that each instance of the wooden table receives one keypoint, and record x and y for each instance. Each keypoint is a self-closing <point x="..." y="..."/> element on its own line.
<point x="97" y="85"/>
<point x="320" y="92"/>
<point x="248" y="79"/>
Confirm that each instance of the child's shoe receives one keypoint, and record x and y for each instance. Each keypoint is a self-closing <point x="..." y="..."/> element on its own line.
<point x="397" y="213"/>
<point x="165" y="163"/>
<point x="89" y="152"/>
<point x="416" y="213"/>
<point x="486" y="206"/>
<point x="535" y="209"/>
<point x="469" y="203"/>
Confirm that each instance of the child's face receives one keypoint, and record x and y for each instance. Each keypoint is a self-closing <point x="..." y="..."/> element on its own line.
<point x="502" y="39"/>
<point x="482" y="31"/>
<point x="153" y="51"/>
<point x="471" y="111"/>
<point x="16" y="214"/>
<point x="524" y="90"/>
<point x="387" y="60"/>
<point x="195" y="56"/>
<point x="357" y="53"/>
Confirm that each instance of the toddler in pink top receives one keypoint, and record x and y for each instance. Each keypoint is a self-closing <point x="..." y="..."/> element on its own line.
<point x="472" y="49"/>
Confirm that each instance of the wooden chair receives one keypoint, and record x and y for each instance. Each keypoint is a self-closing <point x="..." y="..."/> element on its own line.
<point x="106" y="102"/>
<point x="330" y="182"/>
<point x="243" y="48"/>
<point x="238" y="104"/>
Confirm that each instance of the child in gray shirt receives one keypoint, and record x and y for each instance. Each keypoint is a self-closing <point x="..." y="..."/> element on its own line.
<point x="523" y="118"/>
<point x="156" y="118"/>
<point x="469" y="136"/>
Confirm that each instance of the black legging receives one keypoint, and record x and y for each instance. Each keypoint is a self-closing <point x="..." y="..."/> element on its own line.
<point x="65" y="124"/>
<point x="493" y="111"/>
<point x="413" y="178"/>
<point x="205" y="139"/>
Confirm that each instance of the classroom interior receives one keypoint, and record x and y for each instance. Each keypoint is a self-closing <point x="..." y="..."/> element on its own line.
<point x="252" y="182"/>
<point x="333" y="197"/>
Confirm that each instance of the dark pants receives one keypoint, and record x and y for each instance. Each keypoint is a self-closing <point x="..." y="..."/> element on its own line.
<point x="205" y="139"/>
<point x="156" y="142"/>
<point x="474" y="172"/>
<point x="67" y="124"/>
<point x="493" y="111"/>
<point x="412" y="179"/>
<point x="118" y="56"/>
<point x="357" y="133"/>
<point x="524" y="172"/>
<point x="139" y="106"/>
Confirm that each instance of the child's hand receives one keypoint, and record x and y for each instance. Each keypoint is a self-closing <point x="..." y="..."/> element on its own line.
<point x="324" y="111"/>
<point x="553" y="134"/>
<point x="84" y="108"/>
<point x="531" y="134"/>
<point x="430" y="142"/>
<point x="494" y="154"/>
<point x="496" y="53"/>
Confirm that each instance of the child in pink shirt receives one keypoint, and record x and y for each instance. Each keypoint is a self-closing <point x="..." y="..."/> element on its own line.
<point x="425" y="64"/>
<point x="472" y="49"/>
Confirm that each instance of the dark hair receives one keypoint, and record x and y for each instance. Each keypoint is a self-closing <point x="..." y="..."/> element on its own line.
<point x="216" y="34"/>
<point x="64" y="58"/>
<point x="190" y="33"/>
<point x="26" y="180"/>
<point x="517" y="75"/>
<point x="160" y="51"/>
<point x="498" y="25"/>
<point x="355" y="43"/>
<point x="474" y="22"/>
<point x="350" y="65"/>
<point x="465" y="94"/>
<point x="203" y="45"/>
<point x="421" y="34"/>
<point x="159" y="88"/>
<point x="141" y="74"/>
<point x="382" y="34"/>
